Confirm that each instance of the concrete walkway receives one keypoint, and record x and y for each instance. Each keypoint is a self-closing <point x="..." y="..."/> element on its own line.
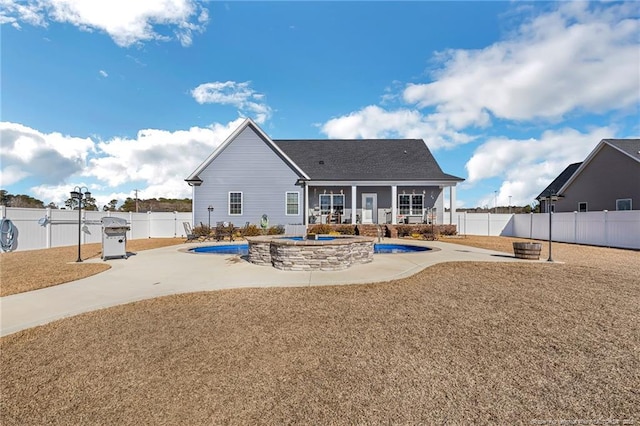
<point x="171" y="270"/>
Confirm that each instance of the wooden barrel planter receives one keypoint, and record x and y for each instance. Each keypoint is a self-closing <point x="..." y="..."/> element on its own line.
<point x="529" y="251"/>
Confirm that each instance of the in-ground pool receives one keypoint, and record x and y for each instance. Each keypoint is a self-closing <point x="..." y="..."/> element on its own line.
<point x="243" y="249"/>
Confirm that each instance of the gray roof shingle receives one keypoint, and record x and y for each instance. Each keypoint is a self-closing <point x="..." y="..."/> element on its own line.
<point x="365" y="159"/>
<point x="558" y="182"/>
<point x="629" y="146"/>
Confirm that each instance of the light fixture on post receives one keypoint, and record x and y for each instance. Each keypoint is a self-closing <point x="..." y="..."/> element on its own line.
<point x="549" y="198"/>
<point x="210" y="209"/>
<point x="78" y="193"/>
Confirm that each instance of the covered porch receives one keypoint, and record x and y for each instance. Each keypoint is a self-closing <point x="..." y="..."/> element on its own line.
<point x="368" y="202"/>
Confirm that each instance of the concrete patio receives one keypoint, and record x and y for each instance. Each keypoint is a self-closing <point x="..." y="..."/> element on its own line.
<point x="172" y="270"/>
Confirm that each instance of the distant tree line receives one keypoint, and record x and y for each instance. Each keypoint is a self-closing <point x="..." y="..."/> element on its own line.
<point x="150" y="205"/>
<point x="20" y="200"/>
<point x="129" y="205"/>
<point x="500" y="209"/>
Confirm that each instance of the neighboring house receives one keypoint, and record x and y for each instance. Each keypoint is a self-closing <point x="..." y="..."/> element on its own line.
<point x="319" y="181"/>
<point x="608" y="179"/>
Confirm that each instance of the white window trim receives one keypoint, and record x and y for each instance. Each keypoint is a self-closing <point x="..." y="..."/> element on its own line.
<point x="241" y="203"/>
<point x="286" y="203"/>
<point x="331" y="205"/>
<point x="625" y="199"/>
<point x="412" y="211"/>
<point x="586" y="206"/>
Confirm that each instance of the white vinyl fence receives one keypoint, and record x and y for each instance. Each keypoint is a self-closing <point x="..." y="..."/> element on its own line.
<point x="605" y="228"/>
<point x="45" y="228"/>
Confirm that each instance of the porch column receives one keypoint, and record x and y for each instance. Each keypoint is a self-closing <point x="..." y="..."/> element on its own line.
<point x="354" y="204"/>
<point x="452" y="203"/>
<point x="394" y="204"/>
<point x="305" y="210"/>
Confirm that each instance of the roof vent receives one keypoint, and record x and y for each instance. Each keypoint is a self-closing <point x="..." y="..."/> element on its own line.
<point x="405" y="151"/>
<point x="321" y="162"/>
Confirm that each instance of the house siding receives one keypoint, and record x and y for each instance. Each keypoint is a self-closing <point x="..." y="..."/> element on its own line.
<point x="610" y="175"/>
<point x="248" y="165"/>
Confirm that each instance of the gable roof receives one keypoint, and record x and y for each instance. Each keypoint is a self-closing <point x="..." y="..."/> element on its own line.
<point x="365" y="159"/>
<point x="194" y="179"/>
<point x="631" y="147"/>
<point x="628" y="147"/>
<point x="558" y="182"/>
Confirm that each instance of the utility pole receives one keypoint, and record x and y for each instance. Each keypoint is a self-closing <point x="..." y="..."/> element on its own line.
<point x="136" y="200"/>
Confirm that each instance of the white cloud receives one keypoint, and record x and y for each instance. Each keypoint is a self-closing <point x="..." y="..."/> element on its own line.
<point x="103" y="73"/>
<point x="51" y="157"/>
<point x="157" y="157"/>
<point x="374" y="122"/>
<point x="126" y="22"/>
<point x="577" y="58"/>
<point x="240" y="95"/>
<point x="526" y="167"/>
<point x="155" y="161"/>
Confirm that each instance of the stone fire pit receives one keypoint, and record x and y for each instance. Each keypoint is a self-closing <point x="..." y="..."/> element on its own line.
<point x="288" y="254"/>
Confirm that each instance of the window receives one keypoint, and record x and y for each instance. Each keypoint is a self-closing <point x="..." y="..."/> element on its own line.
<point x="293" y="204"/>
<point x="331" y="203"/>
<point x="410" y="204"/>
<point x="623" y="204"/>
<point x="235" y="203"/>
<point x="582" y="207"/>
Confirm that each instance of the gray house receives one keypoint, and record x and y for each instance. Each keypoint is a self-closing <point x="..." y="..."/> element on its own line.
<point x="319" y="181"/>
<point x="608" y="179"/>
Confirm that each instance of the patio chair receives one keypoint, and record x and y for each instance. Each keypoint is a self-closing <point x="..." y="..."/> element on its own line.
<point x="189" y="232"/>
<point x="243" y="231"/>
<point x="224" y="230"/>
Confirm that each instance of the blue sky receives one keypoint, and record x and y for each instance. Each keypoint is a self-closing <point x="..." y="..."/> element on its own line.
<point x="118" y="95"/>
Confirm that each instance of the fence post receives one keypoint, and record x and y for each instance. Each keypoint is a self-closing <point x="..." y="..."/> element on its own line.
<point x="606" y="228"/>
<point x="175" y="224"/>
<point x="148" y="224"/>
<point x="575" y="227"/>
<point x="465" y="223"/>
<point x="488" y="224"/>
<point x="131" y="224"/>
<point x="47" y="227"/>
<point x="531" y="225"/>
<point x="3" y="211"/>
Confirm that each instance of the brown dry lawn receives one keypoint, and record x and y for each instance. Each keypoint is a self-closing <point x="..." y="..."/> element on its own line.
<point x="459" y="343"/>
<point x="30" y="270"/>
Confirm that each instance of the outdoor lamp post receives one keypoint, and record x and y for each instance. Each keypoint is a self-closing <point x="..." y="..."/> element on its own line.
<point x="210" y="208"/>
<point x="78" y="194"/>
<point x="549" y="199"/>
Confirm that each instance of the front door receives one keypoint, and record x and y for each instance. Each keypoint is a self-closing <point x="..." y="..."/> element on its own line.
<point x="369" y="208"/>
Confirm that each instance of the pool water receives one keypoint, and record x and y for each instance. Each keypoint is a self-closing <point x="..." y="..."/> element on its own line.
<point x="397" y="248"/>
<point x="243" y="249"/>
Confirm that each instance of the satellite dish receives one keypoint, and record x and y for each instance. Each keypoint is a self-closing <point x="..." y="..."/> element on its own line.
<point x="43" y="221"/>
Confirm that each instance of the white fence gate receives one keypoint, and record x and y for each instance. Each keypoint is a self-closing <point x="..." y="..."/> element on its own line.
<point x="45" y="228"/>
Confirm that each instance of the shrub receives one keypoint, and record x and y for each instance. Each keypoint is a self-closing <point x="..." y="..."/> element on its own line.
<point x="252" y="231"/>
<point x="431" y="232"/>
<point x="346" y="229"/>
<point x="275" y="230"/>
<point x="322" y="228"/>
<point x="404" y="230"/>
<point x="202" y="230"/>
<point x="448" y="230"/>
